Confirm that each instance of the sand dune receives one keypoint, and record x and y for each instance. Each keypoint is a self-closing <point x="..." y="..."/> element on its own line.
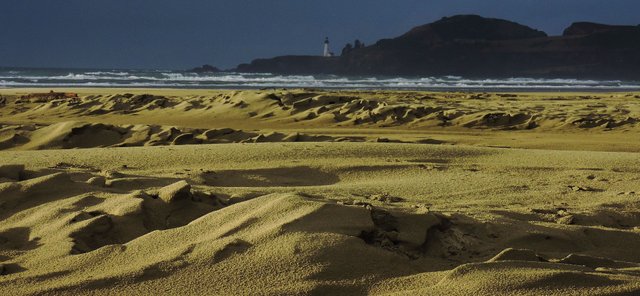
<point x="302" y="108"/>
<point x="177" y="193"/>
<point x="111" y="118"/>
<point x="73" y="134"/>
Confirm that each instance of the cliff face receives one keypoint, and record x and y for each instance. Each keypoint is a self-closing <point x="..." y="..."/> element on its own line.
<point x="586" y="28"/>
<point x="480" y="47"/>
<point x="293" y="65"/>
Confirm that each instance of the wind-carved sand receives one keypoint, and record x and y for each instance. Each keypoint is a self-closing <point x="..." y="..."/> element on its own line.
<point x="319" y="192"/>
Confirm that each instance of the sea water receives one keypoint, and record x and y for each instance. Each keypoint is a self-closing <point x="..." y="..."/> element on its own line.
<point x="20" y="77"/>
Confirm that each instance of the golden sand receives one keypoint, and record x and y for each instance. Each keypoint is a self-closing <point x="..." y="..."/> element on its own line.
<point x="192" y="192"/>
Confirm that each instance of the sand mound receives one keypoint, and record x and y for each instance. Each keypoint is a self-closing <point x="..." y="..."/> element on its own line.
<point x="517" y="255"/>
<point x="115" y="231"/>
<point x="91" y="221"/>
<point x="501" y="120"/>
<point x="556" y="279"/>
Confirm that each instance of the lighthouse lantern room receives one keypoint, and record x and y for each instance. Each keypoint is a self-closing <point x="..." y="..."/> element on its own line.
<point x="326" y="51"/>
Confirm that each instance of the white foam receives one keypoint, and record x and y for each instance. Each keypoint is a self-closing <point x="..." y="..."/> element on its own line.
<point x="163" y="78"/>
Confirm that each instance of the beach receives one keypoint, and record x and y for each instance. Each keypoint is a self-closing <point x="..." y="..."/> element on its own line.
<point x="318" y="191"/>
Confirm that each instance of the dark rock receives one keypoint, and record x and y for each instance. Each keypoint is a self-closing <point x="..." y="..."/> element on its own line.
<point x="205" y="69"/>
<point x="586" y="28"/>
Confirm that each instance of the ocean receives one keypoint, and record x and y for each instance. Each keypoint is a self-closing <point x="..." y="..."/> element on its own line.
<point x="20" y="77"/>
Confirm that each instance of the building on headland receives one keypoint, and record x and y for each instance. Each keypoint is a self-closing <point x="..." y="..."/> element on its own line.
<point x="326" y="50"/>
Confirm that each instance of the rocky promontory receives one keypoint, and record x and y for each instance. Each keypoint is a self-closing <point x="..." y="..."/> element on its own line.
<point x="474" y="46"/>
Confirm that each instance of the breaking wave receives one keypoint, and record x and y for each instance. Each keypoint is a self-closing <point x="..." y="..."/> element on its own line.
<point x="176" y="79"/>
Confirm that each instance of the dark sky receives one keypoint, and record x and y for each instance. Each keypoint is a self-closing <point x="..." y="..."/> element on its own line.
<point x="178" y="34"/>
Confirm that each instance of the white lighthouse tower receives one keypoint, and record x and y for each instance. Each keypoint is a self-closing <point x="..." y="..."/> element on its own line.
<point x="326" y="52"/>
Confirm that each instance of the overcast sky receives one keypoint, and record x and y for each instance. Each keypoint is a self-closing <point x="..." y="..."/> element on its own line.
<point x="178" y="34"/>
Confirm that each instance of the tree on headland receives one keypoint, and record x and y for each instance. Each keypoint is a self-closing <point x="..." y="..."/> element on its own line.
<point x="349" y="47"/>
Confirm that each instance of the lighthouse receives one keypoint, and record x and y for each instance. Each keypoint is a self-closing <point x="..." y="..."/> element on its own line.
<point x="326" y="52"/>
